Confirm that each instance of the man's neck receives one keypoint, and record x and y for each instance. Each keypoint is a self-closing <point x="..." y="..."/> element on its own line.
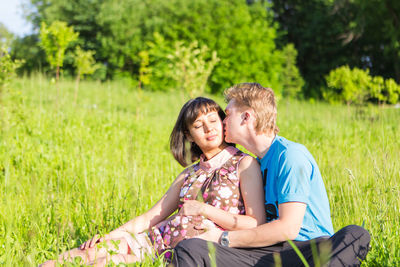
<point x="259" y="144"/>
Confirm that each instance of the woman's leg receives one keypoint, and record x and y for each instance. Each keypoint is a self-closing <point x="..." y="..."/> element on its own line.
<point x="100" y="250"/>
<point x="116" y="259"/>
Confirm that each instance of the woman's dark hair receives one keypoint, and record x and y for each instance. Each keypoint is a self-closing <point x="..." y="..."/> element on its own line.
<point x="178" y="139"/>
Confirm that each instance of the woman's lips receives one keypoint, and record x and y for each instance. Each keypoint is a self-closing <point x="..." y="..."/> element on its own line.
<point x="211" y="138"/>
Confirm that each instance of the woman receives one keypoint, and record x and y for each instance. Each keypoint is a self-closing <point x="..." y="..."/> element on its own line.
<point x="224" y="189"/>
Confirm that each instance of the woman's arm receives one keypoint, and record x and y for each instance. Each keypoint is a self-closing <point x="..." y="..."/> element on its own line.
<point x="160" y="211"/>
<point x="252" y="191"/>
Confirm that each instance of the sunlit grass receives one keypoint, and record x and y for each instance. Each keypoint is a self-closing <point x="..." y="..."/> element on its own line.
<point x="70" y="171"/>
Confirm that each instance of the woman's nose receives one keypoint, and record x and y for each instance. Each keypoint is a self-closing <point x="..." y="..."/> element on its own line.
<point x="206" y="128"/>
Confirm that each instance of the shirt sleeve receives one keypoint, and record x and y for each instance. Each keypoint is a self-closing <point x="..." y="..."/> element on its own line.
<point x="294" y="177"/>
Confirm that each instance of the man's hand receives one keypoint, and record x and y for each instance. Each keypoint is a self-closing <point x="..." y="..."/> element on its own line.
<point x="193" y="208"/>
<point x="213" y="235"/>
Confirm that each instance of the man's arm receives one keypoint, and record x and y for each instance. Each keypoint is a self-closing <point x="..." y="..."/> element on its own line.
<point x="286" y="227"/>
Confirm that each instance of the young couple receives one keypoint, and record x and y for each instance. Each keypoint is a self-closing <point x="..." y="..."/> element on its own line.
<point x="249" y="214"/>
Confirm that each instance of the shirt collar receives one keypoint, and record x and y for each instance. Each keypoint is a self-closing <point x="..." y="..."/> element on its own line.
<point x="218" y="160"/>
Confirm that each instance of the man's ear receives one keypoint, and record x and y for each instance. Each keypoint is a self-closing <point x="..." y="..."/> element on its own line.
<point x="246" y="116"/>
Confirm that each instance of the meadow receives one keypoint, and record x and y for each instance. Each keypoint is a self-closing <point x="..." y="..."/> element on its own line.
<point x="69" y="171"/>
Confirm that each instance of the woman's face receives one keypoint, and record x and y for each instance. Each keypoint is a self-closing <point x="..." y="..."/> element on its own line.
<point x="207" y="132"/>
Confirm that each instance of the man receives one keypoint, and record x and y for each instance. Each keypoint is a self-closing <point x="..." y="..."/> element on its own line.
<point x="296" y="202"/>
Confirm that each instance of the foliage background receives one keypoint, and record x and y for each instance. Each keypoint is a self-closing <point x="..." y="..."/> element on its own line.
<point x="243" y="36"/>
<point x="249" y="36"/>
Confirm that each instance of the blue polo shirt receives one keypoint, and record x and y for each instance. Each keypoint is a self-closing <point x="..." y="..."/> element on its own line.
<point x="291" y="174"/>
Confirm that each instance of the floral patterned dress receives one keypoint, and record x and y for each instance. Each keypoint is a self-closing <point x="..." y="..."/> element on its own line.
<point x="214" y="182"/>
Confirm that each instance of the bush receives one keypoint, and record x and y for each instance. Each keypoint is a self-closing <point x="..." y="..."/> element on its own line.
<point x="7" y="67"/>
<point x="392" y="91"/>
<point x="192" y="66"/>
<point x="178" y="65"/>
<point x="356" y="86"/>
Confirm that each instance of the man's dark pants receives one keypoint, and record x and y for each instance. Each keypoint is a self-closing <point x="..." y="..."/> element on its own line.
<point x="348" y="247"/>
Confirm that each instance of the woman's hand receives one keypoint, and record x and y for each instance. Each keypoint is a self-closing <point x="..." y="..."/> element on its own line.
<point x="193" y="208"/>
<point x="212" y="235"/>
<point x="92" y="242"/>
<point x="117" y="233"/>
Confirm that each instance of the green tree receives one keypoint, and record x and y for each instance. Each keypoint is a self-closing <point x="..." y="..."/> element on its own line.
<point x="331" y="33"/>
<point x="242" y="35"/>
<point x="292" y="82"/>
<point x="377" y="22"/>
<point x="191" y="67"/>
<point x="55" y="40"/>
<point x="159" y="50"/>
<point x="319" y="34"/>
<point x="85" y="64"/>
<point x="179" y="65"/>
<point x="79" y="14"/>
<point x="326" y="34"/>
<point x="7" y="67"/>
<point x="144" y="70"/>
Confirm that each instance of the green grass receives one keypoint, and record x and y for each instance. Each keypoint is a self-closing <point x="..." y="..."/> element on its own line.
<point x="70" y="171"/>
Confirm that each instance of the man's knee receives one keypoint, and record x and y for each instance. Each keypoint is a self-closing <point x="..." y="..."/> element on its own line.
<point x="192" y="245"/>
<point x="353" y="233"/>
<point x="191" y="252"/>
<point x="350" y="245"/>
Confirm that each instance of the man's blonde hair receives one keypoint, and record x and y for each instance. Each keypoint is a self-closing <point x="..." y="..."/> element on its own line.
<point x="260" y="99"/>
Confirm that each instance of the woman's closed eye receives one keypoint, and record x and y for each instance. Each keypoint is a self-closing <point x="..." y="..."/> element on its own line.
<point x="213" y="118"/>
